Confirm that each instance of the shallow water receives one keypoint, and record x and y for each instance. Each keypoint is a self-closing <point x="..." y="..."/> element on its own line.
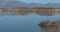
<point x="23" y="23"/>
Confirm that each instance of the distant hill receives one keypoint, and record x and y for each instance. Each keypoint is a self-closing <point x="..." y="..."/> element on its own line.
<point x="37" y="5"/>
<point x="13" y="4"/>
<point x="54" y="5"/>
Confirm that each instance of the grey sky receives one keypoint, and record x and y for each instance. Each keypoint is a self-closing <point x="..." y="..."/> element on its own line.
<point x="40" y="1"/>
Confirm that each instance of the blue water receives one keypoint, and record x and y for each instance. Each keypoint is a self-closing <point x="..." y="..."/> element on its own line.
<point x="24" y="23"/>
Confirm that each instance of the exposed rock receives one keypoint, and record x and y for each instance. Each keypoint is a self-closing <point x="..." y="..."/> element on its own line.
<point x="50" y="23"/>
<point x="46" y="23"/>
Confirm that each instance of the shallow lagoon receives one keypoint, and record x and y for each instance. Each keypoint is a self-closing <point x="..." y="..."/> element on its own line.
<point x="23" y="23"/>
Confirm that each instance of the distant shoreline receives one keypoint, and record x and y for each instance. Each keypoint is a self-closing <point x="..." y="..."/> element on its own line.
<point x="39" y="10"/>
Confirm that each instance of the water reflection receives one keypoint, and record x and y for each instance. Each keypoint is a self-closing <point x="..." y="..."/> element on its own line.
<point x="25" y="13"/>
<point x="51" y="29"/>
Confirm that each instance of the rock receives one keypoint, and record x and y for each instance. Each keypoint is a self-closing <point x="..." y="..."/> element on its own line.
<point x="47" y="23"/>
<point x="57" y="23"/>
<point x="50" y="23"/>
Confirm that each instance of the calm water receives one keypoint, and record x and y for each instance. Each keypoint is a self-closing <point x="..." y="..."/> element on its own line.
<point x="23" y="23"/>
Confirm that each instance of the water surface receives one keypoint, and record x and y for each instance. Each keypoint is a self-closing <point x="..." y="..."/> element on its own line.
<point x="9" y="22"/>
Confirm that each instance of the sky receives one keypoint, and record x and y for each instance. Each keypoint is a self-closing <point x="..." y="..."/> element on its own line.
<point x="41" y="1"/>
<point x="38" y="1"/>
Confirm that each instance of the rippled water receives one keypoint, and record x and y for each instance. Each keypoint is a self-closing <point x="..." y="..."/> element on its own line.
<point x="9" y="22"/>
